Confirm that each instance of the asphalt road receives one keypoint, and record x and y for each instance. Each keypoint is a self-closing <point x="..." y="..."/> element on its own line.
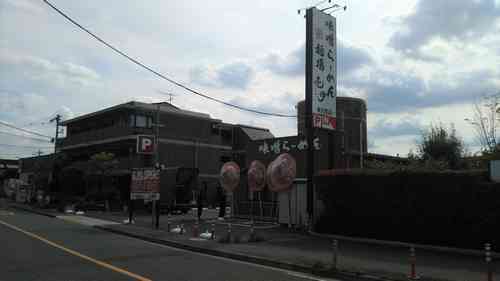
<point x="35" y="247"/>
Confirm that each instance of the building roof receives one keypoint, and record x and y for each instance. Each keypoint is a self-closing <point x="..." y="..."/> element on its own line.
<point x="164" y="107"/>
<point x="9" y="164"/>
<point x="255" y="133"/>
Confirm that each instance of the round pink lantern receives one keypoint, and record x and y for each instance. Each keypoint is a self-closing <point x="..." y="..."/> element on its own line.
<point x="230" y="176"/>
<point x="256" y="176"/>
<point x="282" y="172"/>
<point x="268" y="176"/>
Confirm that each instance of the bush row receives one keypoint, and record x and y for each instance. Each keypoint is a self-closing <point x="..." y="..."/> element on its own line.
<point x="446" y="209"/>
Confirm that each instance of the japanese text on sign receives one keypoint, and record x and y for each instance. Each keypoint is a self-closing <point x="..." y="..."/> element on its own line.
<point x="279" y="146"/>
<point x="145" y="184"/>
<point x="324" y="70"/>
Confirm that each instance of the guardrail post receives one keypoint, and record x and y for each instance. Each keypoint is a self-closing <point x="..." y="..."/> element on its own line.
<point x="195" y="229"/>
<point x="487" y="252"/>
<point x="213" y="232"/>
<point x="335" y="248"/>
<point x="413" y="260"/>
<point x="168" y="222"/>
<point x="229" y="230"/>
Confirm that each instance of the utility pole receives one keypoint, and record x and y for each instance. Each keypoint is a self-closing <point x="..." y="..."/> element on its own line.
<point x="156" y="209"/>
<point x="309" y="119"/>
<point x="58" y="120"/>
<point x="37" y="178"/>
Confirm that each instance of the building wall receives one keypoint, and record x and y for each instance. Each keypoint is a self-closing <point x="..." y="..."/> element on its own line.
<point x="350" y="138"/>
<point x="185" y="140"/>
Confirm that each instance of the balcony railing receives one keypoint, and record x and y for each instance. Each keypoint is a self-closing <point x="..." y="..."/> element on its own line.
<point x="102" y="134"/>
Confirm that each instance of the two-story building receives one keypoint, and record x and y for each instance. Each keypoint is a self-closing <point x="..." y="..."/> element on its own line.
<point x="185" y="139"/>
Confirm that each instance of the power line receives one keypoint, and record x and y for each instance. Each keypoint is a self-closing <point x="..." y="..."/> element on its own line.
<point x="24" y="130"/>
<point x="25" y="146"/>
<point x="21" y="136"/>
<point x="36" y="123"/>
<point x="41" y="121"/>
<point x="137" y="62"/>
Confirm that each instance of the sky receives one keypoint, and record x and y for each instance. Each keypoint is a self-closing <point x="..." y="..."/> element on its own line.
<point x="415" y="62"/>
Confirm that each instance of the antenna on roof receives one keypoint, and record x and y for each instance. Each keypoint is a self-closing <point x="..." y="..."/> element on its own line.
<point x="335" y="7"/>
<point x="169" y="94"/>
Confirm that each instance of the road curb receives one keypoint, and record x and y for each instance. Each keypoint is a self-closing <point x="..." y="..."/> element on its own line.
<point x="31" y="210"/>
<point x="341" y="274"/>
<point x="440" y="249"/>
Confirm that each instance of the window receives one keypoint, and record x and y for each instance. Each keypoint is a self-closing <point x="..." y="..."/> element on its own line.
<point x="131" y="120"/>
<point x="141" y="121"/>
<point x="150" y="121"/>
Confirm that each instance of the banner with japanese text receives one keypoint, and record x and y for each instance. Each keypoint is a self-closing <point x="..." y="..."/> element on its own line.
<point x="323" y="67"/>
<point x="145" y="184"/>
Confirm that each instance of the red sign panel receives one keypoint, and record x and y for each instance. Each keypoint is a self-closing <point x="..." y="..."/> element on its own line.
<point x="324" y="121"/>
<point x="145" y="184"/>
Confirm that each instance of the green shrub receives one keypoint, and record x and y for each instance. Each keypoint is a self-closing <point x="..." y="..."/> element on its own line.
<point x="453" y="209"/>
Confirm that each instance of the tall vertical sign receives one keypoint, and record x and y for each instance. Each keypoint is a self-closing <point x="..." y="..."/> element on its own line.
<point x="323" y="68"/>
<point x="321" y="86"/>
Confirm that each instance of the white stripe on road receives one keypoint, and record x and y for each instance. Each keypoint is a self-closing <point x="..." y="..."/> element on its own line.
<point x="86" y="220"/>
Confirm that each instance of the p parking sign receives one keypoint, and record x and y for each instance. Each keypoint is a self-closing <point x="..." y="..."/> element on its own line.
<point x="145" y="144"/>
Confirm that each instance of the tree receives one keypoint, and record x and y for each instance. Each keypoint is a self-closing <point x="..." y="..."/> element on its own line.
<point x="486" y="122"/>
<point x="441" y="146"/>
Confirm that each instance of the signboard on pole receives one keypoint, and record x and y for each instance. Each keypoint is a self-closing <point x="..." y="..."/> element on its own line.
<point x="145" y="184"/>
<point x="145" y="144"/>
<point x="321" y="69"/>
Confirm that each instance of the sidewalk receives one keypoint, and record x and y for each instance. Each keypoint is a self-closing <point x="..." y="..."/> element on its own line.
<point x="303" y="252"/>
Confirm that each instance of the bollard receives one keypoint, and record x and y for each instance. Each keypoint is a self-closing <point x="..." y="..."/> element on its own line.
<point x="229" y="233"/>
<point x="195" y="229"/>
<point x="252" y="237"/>
<point x="335" y="248"/>
<point x="212" y="237"/>
<point x="168" y="223"/>
<point x="413" y="261"/>
<point x="487" y="250"/>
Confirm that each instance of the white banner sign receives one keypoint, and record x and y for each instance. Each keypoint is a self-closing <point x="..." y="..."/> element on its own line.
<point x="145" y="184"/>
<point x="324" y="70"/>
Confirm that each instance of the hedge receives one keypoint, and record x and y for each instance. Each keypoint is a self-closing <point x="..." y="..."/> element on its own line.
<point x="454" y="209"/>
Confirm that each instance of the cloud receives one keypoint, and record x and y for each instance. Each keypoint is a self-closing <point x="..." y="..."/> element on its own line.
<point x="42" y="71"/>
<point x="458" y="19"/>
<point x="388" y="128"/>
<point x="392" y="91"/>
<point x="236" y="75"/>
<point x="79" y="71"/>
<point x="23" y="5"/>
<point x="282" y="103"/>
<point x="291" y="64"/>
<point x="65" y="112"/>
<point x="350" y="58"/>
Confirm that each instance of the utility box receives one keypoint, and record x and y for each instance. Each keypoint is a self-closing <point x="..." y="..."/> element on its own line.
<point x="495" y="170"/>
<point x="293" y="205"/>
